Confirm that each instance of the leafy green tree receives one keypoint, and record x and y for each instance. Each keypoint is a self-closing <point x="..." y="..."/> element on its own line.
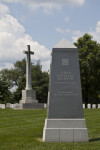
<point x="89" y="58"/>
<point x="40" y="82"/>
<point x="20" y="79"/>
<point x="14" y="75"/>
<point x="17" y="78"/>
<point x="5" y="93"/>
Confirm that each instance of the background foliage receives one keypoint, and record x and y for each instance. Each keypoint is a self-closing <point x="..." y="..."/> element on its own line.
<point x="17" y="81"/>
<point x="89" y="58"/>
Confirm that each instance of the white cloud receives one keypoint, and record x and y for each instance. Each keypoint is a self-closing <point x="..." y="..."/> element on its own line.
<point x="71" y="2"/>
<point x="3" y="9"/>
<point x="6" y="65"/>
<point x="66" y="19"/>
<point x="48" y="5"/>
<point x="96" y="32"/>
<point x="76" y="35"/>
<point x="67" y="31"/>
<point x="13" y="41"/>
<point x="59" y="30"/>
<point x="98" y="27"/>
<point x="62" y="31"/>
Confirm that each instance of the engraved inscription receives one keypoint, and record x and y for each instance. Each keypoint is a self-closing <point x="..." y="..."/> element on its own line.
<point x="65" y="61"/>
<point x="65" y="76"/>
<point x="64" y="93"/>
<point x="29" y="93"/>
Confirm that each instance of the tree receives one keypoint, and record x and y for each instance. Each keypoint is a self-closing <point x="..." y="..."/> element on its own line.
<point x="5" y="93"/>
<point x="14" y="74"/>
<point x="89" y="59"/>
<point x="40" y="82"/>
<point x="17" y="78"/>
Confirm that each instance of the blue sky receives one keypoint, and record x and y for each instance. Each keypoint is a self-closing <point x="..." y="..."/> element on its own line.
<point x="42" y="24"/>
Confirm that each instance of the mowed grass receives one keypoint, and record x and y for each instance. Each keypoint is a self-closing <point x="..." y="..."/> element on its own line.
<point x="23" y="130"/>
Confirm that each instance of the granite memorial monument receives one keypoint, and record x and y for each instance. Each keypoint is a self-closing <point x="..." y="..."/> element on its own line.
<point x="65" y="122"/>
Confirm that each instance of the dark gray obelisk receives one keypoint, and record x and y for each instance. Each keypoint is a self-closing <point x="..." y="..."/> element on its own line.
<point x="65" y="122"/>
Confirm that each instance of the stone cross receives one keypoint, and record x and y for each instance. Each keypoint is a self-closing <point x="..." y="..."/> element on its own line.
<point x="28" y="68"/>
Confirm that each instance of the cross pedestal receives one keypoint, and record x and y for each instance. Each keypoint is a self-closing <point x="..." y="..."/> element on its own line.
<point x="28" y="96"/>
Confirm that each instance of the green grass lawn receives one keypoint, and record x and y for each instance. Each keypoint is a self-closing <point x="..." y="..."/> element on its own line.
<point x="23" y="129"/>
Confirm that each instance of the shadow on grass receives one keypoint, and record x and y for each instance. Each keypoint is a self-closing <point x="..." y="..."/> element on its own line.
<point x="95" y="139"/>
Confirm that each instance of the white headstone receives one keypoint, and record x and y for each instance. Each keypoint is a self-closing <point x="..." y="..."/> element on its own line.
<point x="89" y="106"/>
<point x="94" y="106"/>
<point x="2" y="106"/>
<point x="45" y="105"/>
<point x="16" y="106"/>
<point x="83" y="105"/>
<point x="98" y="105"/>
<point x="8" y="105"/>
<point x="11" y="105"/>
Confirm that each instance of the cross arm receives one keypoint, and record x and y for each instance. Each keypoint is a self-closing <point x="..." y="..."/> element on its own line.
<point x="26" y="52"/>
<point x="31" y="52"/>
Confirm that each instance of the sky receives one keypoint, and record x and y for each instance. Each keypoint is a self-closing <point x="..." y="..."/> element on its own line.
<point x="42" y="24"/>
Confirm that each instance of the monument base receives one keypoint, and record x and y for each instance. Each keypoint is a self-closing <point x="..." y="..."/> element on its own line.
<point x="29" y="101"/>
<point x="33" y="106"/>
<point x="27" y="106"/>
<point x="65" y="130"/>
<point x="28" y="96"/>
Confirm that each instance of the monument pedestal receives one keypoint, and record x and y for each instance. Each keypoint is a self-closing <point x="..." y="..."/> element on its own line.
<point x="28" y="96"/>
<point x="33" y="106"/>
<point x="65" y="130"/>
<point x="29" y="100"/>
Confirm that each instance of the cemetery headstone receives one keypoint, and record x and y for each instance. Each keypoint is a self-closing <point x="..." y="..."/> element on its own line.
<point x="2" y="106"/>
<point x="8" y="105"/>
<point x="94" y="106"/>
<point x="16" y="106"/>
<point x="98" y="105"/>
<point x="89" y="106"/>
<point x="65" y="122"/>
<point x="83" y="105"/>
<point x="45" y="105"/>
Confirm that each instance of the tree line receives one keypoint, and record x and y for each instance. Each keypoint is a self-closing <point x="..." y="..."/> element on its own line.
<point x="89" y="59"/>
<point x="13" y="81"/>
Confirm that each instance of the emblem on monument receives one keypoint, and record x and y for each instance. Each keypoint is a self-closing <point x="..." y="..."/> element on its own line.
<point x="65" y="61"/>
